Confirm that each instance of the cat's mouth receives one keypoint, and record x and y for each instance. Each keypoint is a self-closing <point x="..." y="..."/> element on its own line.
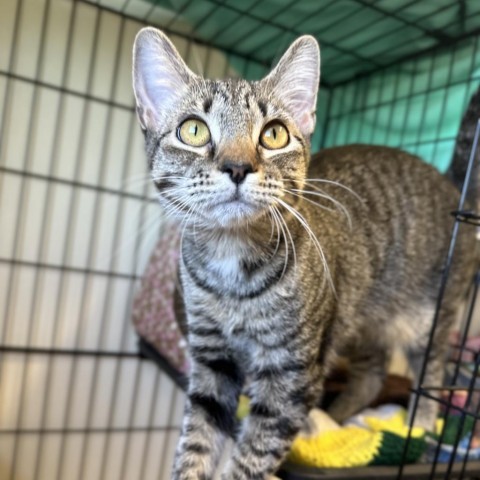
<point x="237" y="201"/>
<point x="235" y="210"/>
<point x="237" y="197"/>
<point x="240" y="199"/>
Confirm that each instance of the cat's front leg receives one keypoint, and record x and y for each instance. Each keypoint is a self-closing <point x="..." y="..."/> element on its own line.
<point x="212" y="398"/>
<point x="282" y="396"/>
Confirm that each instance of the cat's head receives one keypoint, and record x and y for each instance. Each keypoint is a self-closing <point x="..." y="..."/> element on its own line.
<point x="225" y="152"/>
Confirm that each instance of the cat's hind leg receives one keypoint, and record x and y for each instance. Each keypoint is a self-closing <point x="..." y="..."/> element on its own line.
<point x="368" y="365"/>
<point x="425" y="410"/>
<point x="428" y="368"/>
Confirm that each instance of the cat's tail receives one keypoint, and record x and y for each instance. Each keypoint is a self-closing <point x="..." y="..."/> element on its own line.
<point x="462" y="151"/>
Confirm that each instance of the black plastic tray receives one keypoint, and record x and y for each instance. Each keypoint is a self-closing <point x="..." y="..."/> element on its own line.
<point x="411" y="472"/>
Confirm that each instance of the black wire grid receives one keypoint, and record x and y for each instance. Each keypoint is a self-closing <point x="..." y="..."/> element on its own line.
<point x="77" y="400"/>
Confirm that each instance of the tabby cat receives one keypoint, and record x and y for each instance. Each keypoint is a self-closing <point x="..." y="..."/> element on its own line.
<point x="287" y="260"/>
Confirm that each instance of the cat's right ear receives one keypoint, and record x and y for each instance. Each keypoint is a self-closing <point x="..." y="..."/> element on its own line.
<point x="160" y="77"/>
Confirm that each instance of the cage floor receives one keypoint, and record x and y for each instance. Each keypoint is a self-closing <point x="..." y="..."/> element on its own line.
<point x="414" y="472"/>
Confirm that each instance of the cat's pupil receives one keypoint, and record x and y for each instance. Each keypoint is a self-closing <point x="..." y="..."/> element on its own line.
<point x="274" y="133"/>
<point x="194" y="130"/>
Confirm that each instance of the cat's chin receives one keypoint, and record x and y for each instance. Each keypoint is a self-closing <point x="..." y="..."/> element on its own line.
<point x="234" y="214"/>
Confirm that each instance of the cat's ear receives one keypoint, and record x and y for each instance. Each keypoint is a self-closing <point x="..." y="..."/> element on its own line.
<point x="160" y="76"/>
<point x="295" y="81"/>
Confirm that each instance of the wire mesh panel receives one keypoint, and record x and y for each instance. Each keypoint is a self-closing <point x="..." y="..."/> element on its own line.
<point x="416" y="105"/>
<point x="79" y="218"/>
<point x="78" y="221"/>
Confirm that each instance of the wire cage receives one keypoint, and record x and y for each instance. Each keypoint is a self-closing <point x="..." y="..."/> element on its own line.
<point x="78" y="217"/>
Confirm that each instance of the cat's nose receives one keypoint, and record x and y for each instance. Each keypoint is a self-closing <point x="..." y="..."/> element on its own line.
<point x="237" y="171"/>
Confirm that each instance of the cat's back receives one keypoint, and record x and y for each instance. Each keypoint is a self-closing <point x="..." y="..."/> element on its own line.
<point x="401" y="222"/>
<point x="388" y="183"/>
<point x="370" y="169"/>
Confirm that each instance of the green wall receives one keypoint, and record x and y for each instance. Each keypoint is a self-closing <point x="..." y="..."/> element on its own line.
<point x="416" y="105"/>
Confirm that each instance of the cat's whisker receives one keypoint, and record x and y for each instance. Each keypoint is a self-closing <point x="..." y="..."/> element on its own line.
<point x="308" y="200"/>
<point x="139" y="178"/>
<point x="186" y="219"/>
<point x="147" y="224"/>
<point x="338" y="204"/>
<point x="320" y="193"/>
<point x="338" y="184"/>
<point x="138" y="181"/>
<point x="184" y="224"/>
<point x="285" y="264"/>
<point x="174" y="195"/>
<point x="195" y="218"/>
<point x="144" y="178"/>
<point x="181" y="201"/>
<point x="173" y="192"/>
<point x="277" y="228"/>
<point x="313" y="237"/>
<point x="317" y="189"/>
<point x="274" y="224"/>
<point x="174" y="186"/>
<point x="170" y="178"/>
<point x="175" y="205"/>
<point x="127" y="242"/>
<point x="291" y="240"/>
<point x="271" y="225"/>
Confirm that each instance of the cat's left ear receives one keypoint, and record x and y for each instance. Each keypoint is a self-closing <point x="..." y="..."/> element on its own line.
<point x="295" y="81"/>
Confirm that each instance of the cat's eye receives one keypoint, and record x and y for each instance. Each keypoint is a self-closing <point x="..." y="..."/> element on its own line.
<point x="274" y="136"/>
<point x="194" y="132"/>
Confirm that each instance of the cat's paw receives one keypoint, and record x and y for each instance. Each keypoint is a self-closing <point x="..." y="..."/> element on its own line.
<point x="188" y="474"/>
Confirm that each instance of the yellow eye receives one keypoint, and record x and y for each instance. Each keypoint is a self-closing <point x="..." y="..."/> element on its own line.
<point x="274" y="136"/>
<point x="194" y="132"/>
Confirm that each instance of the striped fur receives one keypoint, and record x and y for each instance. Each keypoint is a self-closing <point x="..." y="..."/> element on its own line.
<point x="303" y="260"/>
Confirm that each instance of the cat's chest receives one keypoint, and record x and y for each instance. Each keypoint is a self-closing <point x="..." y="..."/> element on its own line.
<point x="230" y="269"/>
<point x="257" y="320"/>
<point x="250" y="327"/>
<point x="253" y="328"/>
<point x="226" y="267"/>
